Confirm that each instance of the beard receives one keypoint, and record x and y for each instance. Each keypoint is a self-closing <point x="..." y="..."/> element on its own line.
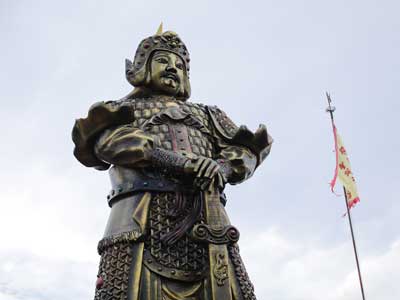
<point x="165" y="85"/>
<point x="169" y="82"/>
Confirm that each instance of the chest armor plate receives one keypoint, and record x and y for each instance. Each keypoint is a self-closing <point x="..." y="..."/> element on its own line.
<point x="177" y="126"/>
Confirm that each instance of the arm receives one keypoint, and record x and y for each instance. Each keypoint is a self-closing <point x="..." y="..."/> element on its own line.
<point x="86" y="131"/>
<point x="131" y="147"/>
<point x="237" y="163"/>
<point x="106" y="137"/>
<point x="240" y="151"/>
<point x="124" y="146"/>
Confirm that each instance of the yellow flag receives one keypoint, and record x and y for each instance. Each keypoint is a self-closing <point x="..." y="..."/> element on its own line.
<point x="343" y="171"/>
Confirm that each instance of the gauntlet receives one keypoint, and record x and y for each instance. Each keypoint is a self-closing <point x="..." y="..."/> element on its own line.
<point x="205" y="172"/>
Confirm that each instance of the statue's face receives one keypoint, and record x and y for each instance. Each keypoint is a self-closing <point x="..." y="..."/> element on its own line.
<point x="167" y="73"/>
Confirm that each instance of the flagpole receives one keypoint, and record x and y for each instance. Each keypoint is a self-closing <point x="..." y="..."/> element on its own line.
<point x="331" y="109"/>
<point x="354" y="244"/>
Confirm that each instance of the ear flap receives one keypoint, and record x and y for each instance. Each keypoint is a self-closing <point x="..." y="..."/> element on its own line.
<point x="184" y="90"/>
<point x="186" y="86"/>
<point x="129" y="71"/>
<point x="128" y="66"/>
<point x="148" y="78"/>
<point x="181" y="91"/>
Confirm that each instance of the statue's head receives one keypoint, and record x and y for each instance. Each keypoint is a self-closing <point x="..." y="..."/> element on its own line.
<point x="160" y="66"/>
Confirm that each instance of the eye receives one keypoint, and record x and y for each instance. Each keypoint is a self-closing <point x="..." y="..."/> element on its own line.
<point x="179" y="66"/>
<point x="162" y="60"/>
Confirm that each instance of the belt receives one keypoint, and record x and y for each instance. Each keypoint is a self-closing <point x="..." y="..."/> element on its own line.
<point x="126" y="181"/>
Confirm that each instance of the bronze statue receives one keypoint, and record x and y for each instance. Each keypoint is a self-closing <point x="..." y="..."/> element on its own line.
<point x="168" y="236"/>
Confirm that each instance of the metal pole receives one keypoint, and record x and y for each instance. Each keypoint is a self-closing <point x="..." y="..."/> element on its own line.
<point x="354" y="244"/>
<point x="331" y="109"/>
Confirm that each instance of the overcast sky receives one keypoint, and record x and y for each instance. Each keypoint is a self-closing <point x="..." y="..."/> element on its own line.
<point x="262" y="62"/>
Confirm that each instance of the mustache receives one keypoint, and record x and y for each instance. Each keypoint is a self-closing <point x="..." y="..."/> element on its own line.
<point x="170" y="75"/>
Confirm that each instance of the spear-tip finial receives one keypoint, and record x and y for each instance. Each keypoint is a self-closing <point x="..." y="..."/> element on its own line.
<point x="330" y="108"/>
<point x="160" y="29"/>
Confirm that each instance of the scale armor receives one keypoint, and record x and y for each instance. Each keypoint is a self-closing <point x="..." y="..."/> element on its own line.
<point x="115" y="263"/>
<point x="145" y="109"/>
<point x="242" y="277"/>
<point x="181" y="127"/>
<point x="184" y="259"/>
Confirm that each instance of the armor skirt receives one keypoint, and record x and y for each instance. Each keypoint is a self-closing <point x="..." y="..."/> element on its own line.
<point x="139" y="265"/>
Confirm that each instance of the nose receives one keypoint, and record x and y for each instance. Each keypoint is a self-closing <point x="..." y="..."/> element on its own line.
<point x="170" y="68"/>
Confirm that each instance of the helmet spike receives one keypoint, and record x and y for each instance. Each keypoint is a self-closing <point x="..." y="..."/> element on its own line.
<point x="160" y="29"/>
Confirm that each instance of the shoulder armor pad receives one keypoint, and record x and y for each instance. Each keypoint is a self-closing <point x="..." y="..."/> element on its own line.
<point x="101" y="116"/>
<point x="223" y="124"/>
<point x="258" y="142"/>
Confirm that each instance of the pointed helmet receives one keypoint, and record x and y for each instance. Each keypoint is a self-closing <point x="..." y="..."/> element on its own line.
<point x="137" y="73"/>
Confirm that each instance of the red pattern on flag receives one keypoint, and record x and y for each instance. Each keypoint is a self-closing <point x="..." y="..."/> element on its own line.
<point x="343" y="171"/>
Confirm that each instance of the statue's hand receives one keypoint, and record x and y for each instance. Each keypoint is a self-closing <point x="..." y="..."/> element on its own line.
<point x="207" y="173"/>
<point x="217" y="182"/>
<point x="201" y="167"/>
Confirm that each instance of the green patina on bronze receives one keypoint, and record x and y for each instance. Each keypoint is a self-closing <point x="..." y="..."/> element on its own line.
<point x="168" y="235"/>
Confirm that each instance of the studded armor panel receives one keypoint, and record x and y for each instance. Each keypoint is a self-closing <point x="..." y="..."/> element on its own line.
<point x="245" y="284"/>
<point x="184" y="259"/>
<point x="222" y="122"/>
<point x="200" y="143"/>
<point x="112" y="279"/>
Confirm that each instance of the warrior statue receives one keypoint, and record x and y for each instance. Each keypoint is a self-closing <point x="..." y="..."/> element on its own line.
<point x="168" y="236"/>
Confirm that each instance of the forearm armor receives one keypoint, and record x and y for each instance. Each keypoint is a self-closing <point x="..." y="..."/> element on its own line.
<point x="168" y="161"/>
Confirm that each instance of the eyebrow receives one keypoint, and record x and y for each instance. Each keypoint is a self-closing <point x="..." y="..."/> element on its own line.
<point x="160" y="54"/>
